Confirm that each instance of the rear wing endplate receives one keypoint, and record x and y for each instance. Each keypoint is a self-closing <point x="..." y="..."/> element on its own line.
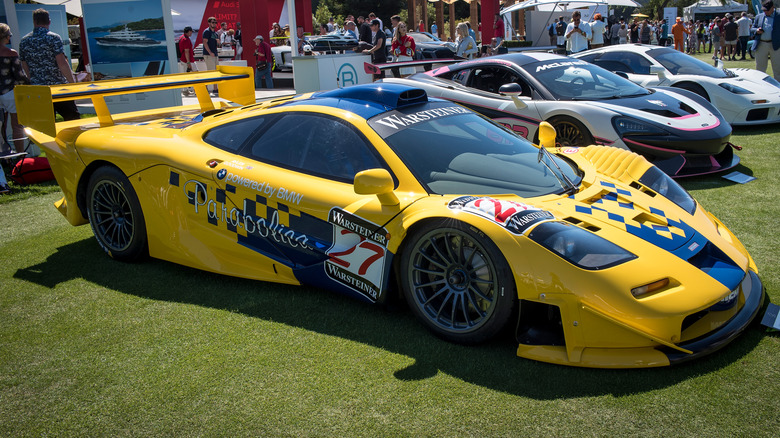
<point x="34" y="102"/>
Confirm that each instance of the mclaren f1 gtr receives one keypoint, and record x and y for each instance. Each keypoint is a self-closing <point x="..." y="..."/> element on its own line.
<point x="744" y="96"/>
<point x="593" y="255"/>
<point x="678" y="131"/>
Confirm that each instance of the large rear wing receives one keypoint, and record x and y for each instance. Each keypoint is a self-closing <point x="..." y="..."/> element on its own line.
<point x="375" y="69"/>
<point x="34" y="102"/>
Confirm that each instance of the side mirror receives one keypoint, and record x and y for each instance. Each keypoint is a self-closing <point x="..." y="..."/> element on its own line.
<point x="622" y="74"/>
<point x="377" y="182"/>
<point x="546" y="135"/>
<point x="514" y="91"/>
<point x="660" y="71"/>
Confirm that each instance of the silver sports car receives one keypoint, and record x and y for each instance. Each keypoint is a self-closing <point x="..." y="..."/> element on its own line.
<point x="679" y="131"/>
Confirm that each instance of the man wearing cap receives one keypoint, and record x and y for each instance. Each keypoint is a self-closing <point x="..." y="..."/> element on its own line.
<point x="351" y="29"/>
<point x="264" y="61"/>
<point x="678" y="32"/>
<point x="767" y="39"/>
<point x="379" y="50"/>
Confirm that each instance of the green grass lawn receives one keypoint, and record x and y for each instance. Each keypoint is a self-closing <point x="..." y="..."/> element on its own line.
<point x="94" y="347"/>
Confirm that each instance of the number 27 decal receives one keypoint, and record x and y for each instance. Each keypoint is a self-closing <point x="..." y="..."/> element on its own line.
<point x="378" y="253"/>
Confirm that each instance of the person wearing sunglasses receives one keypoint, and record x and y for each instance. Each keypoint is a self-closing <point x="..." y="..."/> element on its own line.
<point x="210" y="44"/>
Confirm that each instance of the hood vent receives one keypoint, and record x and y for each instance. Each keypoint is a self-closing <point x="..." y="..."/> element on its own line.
<point x="684" y="110"/>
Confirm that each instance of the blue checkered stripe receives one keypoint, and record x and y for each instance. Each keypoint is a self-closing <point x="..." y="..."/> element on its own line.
<point x="276" y="215"/>
<point x="616" y="206"/>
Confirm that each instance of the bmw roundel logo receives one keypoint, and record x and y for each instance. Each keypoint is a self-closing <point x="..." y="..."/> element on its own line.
<point x="221" y="173"/>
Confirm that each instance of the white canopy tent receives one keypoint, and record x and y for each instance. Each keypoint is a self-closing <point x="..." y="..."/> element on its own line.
<point x="547" y="5"/>
<point x="537" y="28"/>
<point x="708" y="9"/>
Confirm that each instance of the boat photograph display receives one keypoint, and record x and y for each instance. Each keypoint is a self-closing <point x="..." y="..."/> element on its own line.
<point x="125" y="31"/>
<point x="126" y="38"/>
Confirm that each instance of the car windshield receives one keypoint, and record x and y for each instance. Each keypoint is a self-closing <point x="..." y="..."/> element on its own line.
<point x="454" y="151"/>
<point x="580" y="80"/>
<point x="678" y="63"/>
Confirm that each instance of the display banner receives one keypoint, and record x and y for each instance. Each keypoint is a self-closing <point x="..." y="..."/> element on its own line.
<point x="670" y="14"/>
<point x="131" y="38"/>
<point x="189" y="13"/>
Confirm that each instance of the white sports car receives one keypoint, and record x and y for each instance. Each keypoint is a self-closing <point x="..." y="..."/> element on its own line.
<point x="744" y="96"/>
<point x="678" y="131"/>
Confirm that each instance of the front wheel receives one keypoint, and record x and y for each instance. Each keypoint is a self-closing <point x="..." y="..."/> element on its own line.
<point x="457" y="282"/>
<point x="571" y="132"/>
<point x="115" y="214"/>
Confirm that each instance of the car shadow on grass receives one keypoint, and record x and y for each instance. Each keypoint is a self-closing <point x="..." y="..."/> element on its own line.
<point x="493" y="365"/>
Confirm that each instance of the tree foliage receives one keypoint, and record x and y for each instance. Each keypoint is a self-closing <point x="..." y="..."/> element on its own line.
<point x="655" y="8"/>
<point x="384" y="9"/>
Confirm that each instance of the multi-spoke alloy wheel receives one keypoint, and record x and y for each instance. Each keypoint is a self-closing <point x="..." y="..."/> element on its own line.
<point x="115" y="214"/>
<point x="570" y="132"/>
<point x="458" y="283"/>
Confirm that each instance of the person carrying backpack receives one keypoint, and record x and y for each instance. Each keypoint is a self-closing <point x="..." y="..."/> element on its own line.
<point x="560" y="31"/>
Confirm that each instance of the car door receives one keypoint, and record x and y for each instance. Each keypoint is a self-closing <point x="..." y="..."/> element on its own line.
<point x="287" y="194"/>
<point x="487" y="80"/>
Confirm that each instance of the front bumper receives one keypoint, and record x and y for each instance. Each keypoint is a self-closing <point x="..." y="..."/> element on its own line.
<point x="646" y="357"/>
<point x="757" y="115"/>
<point x="681" y="166"/>
<point x="714" y="341"/>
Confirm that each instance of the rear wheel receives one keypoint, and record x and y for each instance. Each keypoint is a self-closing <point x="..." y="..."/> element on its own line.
<point x="115" y="214"/>
<point x="457" y="282"/>
<point x="571" y="132"/>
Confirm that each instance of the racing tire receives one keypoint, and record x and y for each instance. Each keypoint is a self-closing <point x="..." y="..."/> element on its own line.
<point x="570" y="132"/>
<point x="115" y="215"/>
<point x="694" y="88"/>
<point x="457" y="282"/>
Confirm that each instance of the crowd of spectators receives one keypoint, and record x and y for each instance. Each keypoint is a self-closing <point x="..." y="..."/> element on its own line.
<point x="727" y="37"/>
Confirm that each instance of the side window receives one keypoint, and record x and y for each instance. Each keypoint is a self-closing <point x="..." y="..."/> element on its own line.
<point x="315" y="144"/>
<point x="231" y="136"/>
<point x="625" y="61"/>
<point x="492" y="78"/>
<point x="460" y="77"/>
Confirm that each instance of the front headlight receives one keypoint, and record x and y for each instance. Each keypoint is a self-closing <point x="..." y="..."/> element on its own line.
<point x="630" y="126"/>
<point x="736" y="89"/>
<point x="579" y="247"/>
<point x="773" y="81"/>
<point x="665" y="186"/>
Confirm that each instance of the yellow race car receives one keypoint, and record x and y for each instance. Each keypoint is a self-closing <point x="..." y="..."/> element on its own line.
<point x="592" y="255"/>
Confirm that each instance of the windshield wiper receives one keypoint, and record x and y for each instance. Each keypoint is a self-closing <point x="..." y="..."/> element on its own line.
<point x="563" y="180"/>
